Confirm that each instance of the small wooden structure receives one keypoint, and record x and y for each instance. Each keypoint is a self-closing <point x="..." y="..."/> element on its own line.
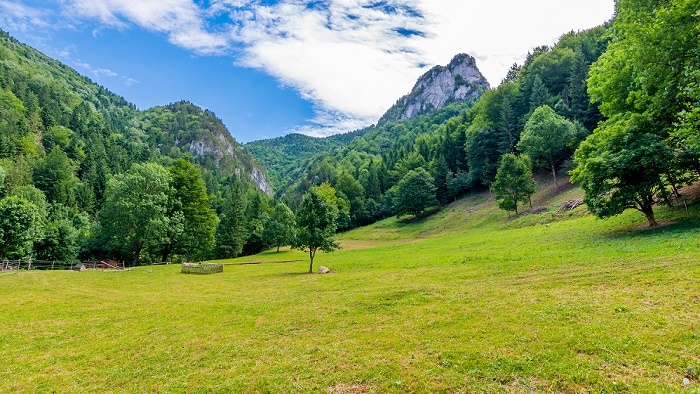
<point x="105" y="264"/>
<point x="201" y="268"/>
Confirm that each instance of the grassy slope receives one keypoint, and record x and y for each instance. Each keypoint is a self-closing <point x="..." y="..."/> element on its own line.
<point x="460" y="301"/>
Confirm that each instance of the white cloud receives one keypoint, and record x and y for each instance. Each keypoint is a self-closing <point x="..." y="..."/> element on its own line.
<point x="348" y="59"/>
<point x="351" y="58"/>
<point x="128" y="81"/>
<point x="182" y="20"/>
<point x="19" y="17"/>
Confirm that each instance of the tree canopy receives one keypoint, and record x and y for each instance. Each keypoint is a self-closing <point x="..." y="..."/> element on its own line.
<point x="134" y="213"/>
<point x="414" y="193"/>
<point x="514" y="183"/>
<point x="547" y="138"/>
<point x="18" y="220"/>
<point x="316" y="225"/>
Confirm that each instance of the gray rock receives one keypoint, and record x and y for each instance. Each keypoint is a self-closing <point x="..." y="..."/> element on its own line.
<point x="323" y="270"/>
<point x="459" y="81"/>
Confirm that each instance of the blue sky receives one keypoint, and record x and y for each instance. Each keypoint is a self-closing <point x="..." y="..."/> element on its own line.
<point x="267" y="68"/>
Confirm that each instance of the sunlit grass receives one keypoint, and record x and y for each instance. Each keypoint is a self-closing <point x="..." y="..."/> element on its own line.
<point x="460" y="301"/>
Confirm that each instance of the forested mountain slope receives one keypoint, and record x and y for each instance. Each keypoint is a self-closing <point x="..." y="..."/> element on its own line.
<point x="456" y="148"/>
<point x="63" y="138"/>
<point x="282" y="155"/>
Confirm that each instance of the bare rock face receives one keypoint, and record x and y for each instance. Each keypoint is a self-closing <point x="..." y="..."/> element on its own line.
<point x="459" y="81"/>
<point x="261" y="180"/>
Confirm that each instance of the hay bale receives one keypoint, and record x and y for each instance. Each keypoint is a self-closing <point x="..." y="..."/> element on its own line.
<point x="201" y="269"/>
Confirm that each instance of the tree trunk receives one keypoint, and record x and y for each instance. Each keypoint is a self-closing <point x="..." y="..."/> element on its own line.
<point x="165" y="254"/>
<point x="278" y="248"/>
<point x="649" y="213"/>
<point x="554" y="174"/>
<point x="311" y="257"/>
<point x="137" y="254"/>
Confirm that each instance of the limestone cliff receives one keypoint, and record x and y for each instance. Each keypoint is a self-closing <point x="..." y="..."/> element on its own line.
<point x="459" y="81"/>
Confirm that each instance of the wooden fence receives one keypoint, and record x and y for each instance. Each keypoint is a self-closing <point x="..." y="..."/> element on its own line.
<point x="10" y="266"/>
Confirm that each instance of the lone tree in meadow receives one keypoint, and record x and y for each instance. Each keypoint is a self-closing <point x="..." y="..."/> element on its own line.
<point x="316" y="224"/>
<point x="414" y="193"/>
<point x="547" y="138"/>
<point x="513" y="182"/>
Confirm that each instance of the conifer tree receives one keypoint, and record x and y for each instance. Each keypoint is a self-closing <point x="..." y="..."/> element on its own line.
<point x="230" y="233"/>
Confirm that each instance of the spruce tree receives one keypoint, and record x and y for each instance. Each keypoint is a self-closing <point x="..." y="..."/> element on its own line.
<point x="230" y="233"/>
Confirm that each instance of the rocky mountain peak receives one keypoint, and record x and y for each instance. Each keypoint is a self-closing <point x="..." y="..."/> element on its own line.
<point x="459" y="81"/>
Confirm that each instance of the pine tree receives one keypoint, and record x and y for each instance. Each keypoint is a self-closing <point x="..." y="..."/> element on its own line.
<point x="540" y="94"/>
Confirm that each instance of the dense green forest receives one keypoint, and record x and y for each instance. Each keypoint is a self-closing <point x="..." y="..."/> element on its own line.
<point x="281" y="156"/>
<point x="84" y="174"/>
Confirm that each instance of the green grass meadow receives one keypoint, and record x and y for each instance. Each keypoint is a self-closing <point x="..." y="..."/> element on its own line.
<point x="463" y="300"/>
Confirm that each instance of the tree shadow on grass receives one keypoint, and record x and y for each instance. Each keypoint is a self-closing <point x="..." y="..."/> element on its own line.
<point x="420" y="218"/>
<point x="666" y="227"/>
<point x="297" y="273"/>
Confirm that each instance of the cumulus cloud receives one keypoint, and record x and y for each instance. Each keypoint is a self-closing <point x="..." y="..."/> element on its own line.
<point x="351" y="58"/>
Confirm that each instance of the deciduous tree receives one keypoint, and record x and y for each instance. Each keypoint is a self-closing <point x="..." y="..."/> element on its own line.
<point x="280" y="227"/>
<point x="18" y="221"/>
<point x="134" y="215"/>
<point x="621" y="166"/>
<point x="414" y="193"/>
<point x="547" y="138"/>
<point x="514" y="183"/>
<point x="316" y="225"/>
<point x="231" y="231"/>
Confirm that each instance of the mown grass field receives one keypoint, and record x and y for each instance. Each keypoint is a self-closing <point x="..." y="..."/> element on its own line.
<point x="460" y="301"/>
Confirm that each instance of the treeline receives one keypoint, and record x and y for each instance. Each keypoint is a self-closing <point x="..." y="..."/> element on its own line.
<point x="458" y="149"/>
<point x="84" y="174"/>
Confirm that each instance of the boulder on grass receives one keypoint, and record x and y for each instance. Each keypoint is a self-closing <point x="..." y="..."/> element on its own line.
<point x="323" y="270"/>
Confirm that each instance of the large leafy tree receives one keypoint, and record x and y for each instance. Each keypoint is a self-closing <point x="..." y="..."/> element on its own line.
<point x="256" y="214"/>
<point x="134" y="215"/>
<point x="60" y="239"/>
<point x="352" y="191"/>
<point x="514" y="183"/>
<point x="18" y="221"/>
<point x="547" y="138"/>
<point x="621" y="166"/>
<point x="316" y="225"/>
<point x="646" y="84"/>
<point x="199" y="220"/>
<point x="414" y="193"/>
<point x="279" y="228"/>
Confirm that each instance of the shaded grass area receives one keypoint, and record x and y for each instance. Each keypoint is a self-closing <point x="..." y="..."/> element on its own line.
<point x="460" y="301"/>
